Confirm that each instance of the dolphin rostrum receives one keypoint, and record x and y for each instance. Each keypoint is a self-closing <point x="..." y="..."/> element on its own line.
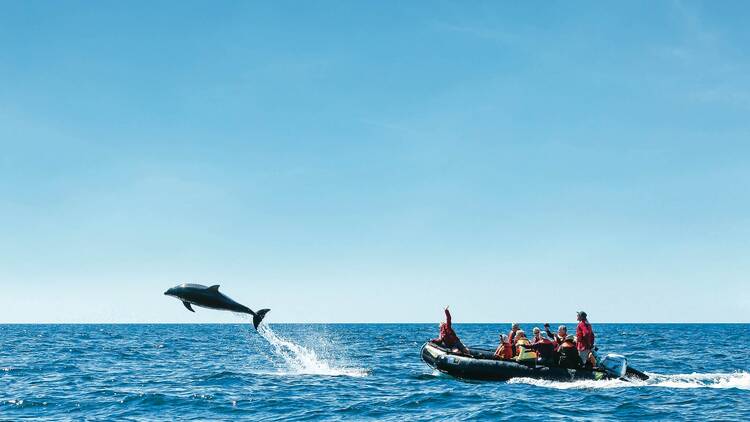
<point x="210" y="297"/>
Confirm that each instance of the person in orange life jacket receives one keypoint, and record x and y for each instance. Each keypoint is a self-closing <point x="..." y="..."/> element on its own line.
<point x="568" y="354"/>
<point x="584" y="338"/>
<point x="504" y="351"/>
<point x="448" y="337"/>
<point x="514" y="328"/>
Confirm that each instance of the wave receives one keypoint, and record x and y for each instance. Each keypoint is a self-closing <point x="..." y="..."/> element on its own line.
<point x="21" y="403"/>
<point x="300" y="360"/>
<point x="739" y="380"/>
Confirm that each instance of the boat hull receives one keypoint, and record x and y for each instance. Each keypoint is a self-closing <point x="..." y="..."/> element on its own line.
<point x="484" y="367"/>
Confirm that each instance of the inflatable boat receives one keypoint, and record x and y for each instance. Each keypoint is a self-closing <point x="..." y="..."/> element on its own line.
<point x="482" y="365"/>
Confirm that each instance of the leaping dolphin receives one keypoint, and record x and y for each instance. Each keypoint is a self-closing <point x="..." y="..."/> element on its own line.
<point x="210" y="297"/>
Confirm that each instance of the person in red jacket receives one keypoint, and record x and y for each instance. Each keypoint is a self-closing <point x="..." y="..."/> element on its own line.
<point x="448" y="337"/>
<point x="584" y="337"/>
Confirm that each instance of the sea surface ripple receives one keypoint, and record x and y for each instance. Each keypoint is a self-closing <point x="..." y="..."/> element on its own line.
<point x="351" y="371"/>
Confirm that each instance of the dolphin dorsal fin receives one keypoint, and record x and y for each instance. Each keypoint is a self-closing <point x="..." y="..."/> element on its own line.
<point x="214" y="287"/>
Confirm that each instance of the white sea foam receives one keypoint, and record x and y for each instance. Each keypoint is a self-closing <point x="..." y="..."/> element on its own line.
<point x="299" y="360"/>
<point x="739" y="380"/>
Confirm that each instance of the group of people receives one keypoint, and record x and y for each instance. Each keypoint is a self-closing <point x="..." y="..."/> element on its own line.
<point x="545" y="347"/>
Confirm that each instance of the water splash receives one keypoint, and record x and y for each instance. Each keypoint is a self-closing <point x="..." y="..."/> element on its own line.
<point x="739" y="380"/>
<point x="299" y="360"/>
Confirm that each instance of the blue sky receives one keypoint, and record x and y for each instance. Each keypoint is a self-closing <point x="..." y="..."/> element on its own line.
<point x="373" y="162"/>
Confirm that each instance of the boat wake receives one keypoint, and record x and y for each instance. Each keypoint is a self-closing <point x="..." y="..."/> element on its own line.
<point x="299" y="360"/>
<point x="739" y="380"/>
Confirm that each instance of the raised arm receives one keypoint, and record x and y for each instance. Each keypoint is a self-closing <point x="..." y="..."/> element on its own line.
<point x="549" y="332"/>
<point x="448" y="318"/>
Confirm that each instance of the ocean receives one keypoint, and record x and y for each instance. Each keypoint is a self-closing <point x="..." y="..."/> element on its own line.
<point x="352" y="372"/>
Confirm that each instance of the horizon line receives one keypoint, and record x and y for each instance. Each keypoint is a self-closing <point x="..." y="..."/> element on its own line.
<point x="351" y="323"/>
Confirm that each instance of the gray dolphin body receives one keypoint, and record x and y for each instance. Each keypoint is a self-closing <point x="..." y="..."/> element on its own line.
<point x="210" y="297"/>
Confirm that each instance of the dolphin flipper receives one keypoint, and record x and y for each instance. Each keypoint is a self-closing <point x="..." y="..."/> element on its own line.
<point x="187" y="305"/>
<point x="258" y="317"/>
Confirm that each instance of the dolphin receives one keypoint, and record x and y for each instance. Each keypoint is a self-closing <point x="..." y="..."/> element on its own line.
<point x="210" y="297"/>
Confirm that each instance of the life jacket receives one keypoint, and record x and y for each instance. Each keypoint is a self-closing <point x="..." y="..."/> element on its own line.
<point x="505" y="351"/>
<point x="559" y="340"/>
<point x="545" y="348"/>
<point x="569" y="357"/>
<point x="512" y="341"/>
<point x="448" y="336"/>
<point x="567" y="344"/>
<point x="525" y="354"/>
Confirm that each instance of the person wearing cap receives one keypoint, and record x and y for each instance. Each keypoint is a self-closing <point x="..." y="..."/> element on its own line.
<point x="584" y="337"/>
<point x="504" y="351"/>
<point x="514" y="328"/>
<point x="448" y="337"/>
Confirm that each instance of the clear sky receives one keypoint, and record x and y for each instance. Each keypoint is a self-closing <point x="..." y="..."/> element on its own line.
<point x="374" y="162"/>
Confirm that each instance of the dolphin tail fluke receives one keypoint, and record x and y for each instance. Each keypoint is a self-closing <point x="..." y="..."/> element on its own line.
<point x="258" y="317"/>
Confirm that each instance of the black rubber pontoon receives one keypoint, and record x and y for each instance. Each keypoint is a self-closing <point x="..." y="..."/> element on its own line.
<point x="482" y="365"/>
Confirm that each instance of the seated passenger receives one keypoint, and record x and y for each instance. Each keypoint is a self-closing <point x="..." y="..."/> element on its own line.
<point x="504" y="351"/>
<point x="568" y="353"/>
<point x="448" y="337"/>
<point x="524" y="351"/>
<point x="537" y="335"/>
<point x="562" y="333"/>
<point x="545" y="348"/>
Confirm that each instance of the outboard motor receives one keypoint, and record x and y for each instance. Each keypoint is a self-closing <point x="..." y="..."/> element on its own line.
<point x="615" y="365"/>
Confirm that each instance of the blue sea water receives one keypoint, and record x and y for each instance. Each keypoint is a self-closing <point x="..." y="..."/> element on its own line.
<point x="352" y="372"/>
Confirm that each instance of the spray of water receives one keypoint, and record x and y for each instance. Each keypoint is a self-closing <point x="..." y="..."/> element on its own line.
<point x="299" y="360"/>
<point x="739" y="380"/>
